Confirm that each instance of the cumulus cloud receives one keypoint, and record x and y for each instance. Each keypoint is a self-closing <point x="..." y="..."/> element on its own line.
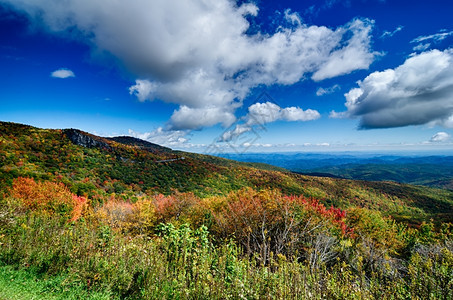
<point x="420" y="91"/>
<point x="195" y="118"/>
<point x="356" y="55"/>
<point x="62" y="73"/>
<point x="325" y="91"/>
<point x="198" y="54"/>
<point x="440" y="137"/>
<point x="260" y="114"/>
<point x="143" y="89"/>
<point x="160" y="136"/>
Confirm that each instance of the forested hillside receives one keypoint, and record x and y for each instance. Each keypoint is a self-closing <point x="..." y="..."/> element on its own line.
<point x="96" y="167"/>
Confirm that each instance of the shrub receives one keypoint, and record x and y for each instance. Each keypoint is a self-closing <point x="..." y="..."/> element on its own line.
<point x="116" y="213"/>
<point x="47" y="198"/>
<point x="174" y="207"/>
<point x="267" y="222"/>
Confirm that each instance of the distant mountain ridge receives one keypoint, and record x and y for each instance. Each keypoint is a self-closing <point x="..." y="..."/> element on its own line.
<point x="429" y="170"/>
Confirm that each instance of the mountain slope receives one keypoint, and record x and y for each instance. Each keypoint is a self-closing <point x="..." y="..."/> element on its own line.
<point x="97" y="167"/>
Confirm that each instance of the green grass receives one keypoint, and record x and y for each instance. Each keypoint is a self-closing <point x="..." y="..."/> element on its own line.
<point x="25" y="284"/>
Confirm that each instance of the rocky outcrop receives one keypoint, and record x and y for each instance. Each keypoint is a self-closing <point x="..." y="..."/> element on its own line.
<point x="84" y="139"/>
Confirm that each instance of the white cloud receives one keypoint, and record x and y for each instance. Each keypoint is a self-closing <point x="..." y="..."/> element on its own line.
<point x="392" y="33"/>
<point x="62" y="73"/>
<point x="422" y="47"/>
<point x="440" y="137"/>
<point x="195" y="118"/>
<point x="260" y="114"/>
<point x="420" y="91"/>
<point x="425" y="41"/>
<point x="298" y="114"/>
<point x="294" y="18"/>
<point x="325" y="91"/>
<point x="337" y="115"/>
<point x="143" y="89"/>
<point x="258" y="145"/>
<point x="435" y="37"/>
<point x="160" y="136"/>
<point x="354" y="56"/>
<point x="323" y="144"/>
<point x="237" y="131"/>
<point x="197" y="53"/>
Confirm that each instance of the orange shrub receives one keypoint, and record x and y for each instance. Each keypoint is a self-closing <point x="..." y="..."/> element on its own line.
<point x="47" y="197"/>
<point x="80" y="205"/>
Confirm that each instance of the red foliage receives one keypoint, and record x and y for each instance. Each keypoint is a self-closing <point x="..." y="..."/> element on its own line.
<point x="335" y="215"/>
<point x="247" y="211"/>
<point x="173" y="206"/>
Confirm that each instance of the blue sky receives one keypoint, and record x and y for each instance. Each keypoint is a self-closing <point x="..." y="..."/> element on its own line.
<point x="210" y="76"/>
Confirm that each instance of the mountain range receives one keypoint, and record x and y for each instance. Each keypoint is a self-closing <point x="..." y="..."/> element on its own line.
<point x="418" y="168"/>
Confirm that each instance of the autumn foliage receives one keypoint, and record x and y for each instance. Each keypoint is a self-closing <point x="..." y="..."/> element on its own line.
<point x="252" y="242"/>
<point x="266" y="222"/>
<point x="48" y="197"/>
<point x="79" y="206"/>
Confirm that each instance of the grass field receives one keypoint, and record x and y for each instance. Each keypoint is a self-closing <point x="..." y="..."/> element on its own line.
<point x="27" y="285"/>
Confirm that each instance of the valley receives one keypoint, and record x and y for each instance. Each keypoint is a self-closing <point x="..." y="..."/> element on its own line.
<point x="417" y="168"/>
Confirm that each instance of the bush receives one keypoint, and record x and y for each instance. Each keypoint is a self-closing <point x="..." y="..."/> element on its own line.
<point x="47" y="198"/>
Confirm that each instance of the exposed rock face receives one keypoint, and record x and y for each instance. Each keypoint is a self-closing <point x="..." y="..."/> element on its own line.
<point x="81" y="138"/>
